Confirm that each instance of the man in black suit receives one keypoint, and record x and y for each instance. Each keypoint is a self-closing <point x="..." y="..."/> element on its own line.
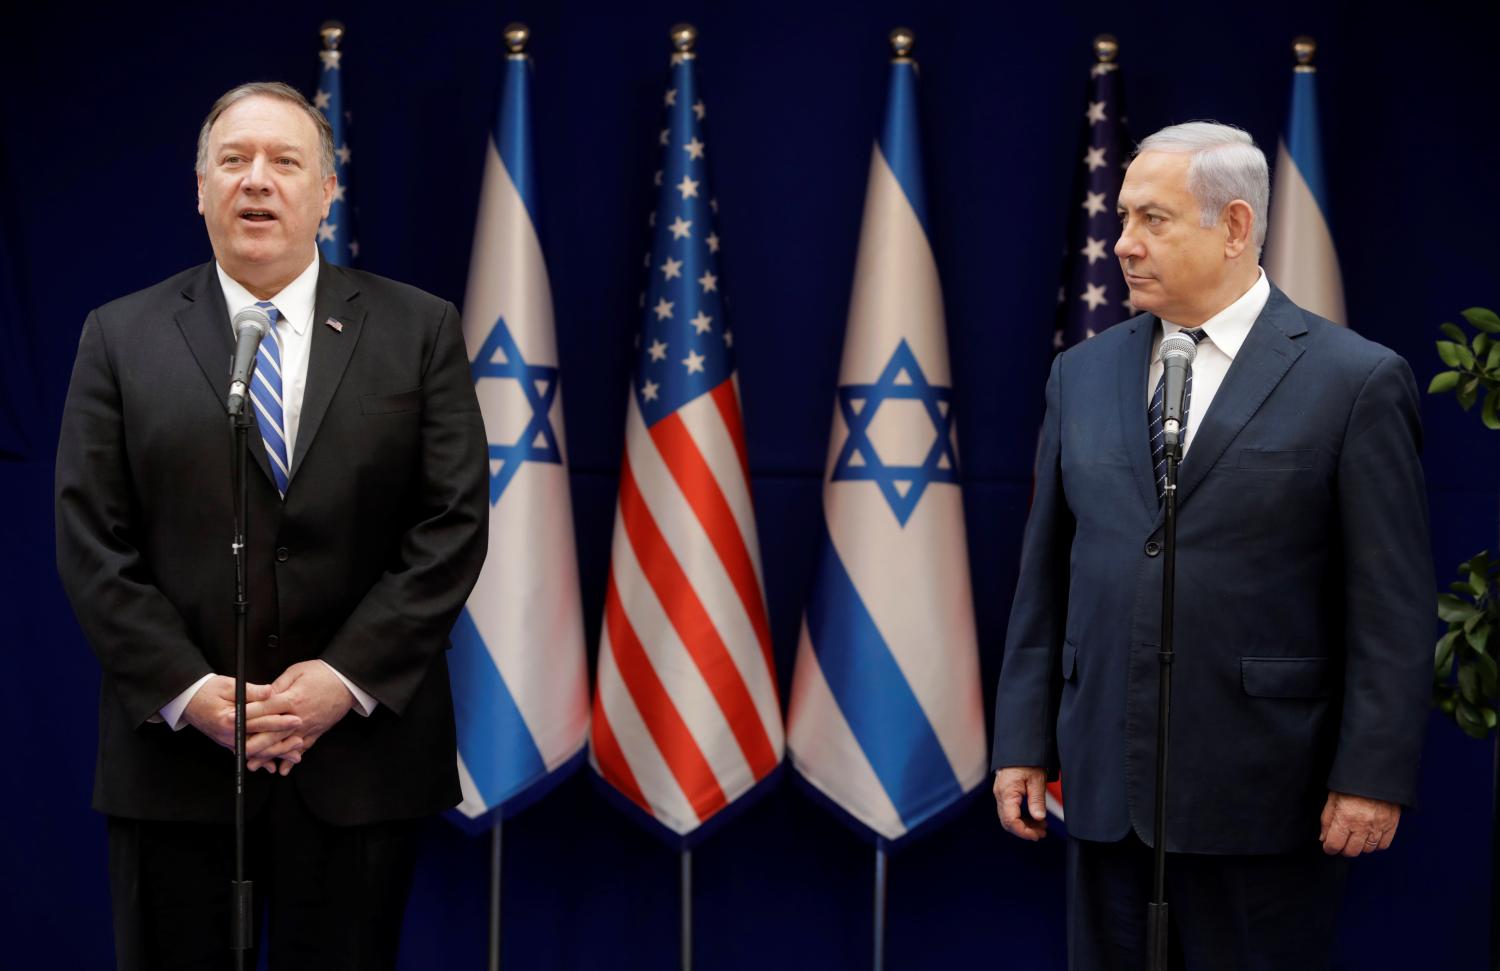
<point x="1304" y="593"/>
<point x="367" y="528"/>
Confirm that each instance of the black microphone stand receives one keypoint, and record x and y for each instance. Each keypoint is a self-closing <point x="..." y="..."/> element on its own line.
<point x="241" y="922"/>
<point x="1156" y="911"/>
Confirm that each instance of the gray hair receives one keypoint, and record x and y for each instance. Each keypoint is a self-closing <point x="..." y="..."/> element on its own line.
<point x="1227" y="165"/>
<point x="268" y="89"/>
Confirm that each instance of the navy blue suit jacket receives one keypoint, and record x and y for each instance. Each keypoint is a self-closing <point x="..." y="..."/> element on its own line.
<point x="1305" y="591"/>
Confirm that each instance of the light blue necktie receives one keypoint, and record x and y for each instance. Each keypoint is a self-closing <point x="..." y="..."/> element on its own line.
<point x="1158" y="426"/>
<point x="265" y="391"/>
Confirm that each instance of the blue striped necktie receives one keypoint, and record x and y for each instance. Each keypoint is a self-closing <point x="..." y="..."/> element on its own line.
<point x="265" y="391"/>
<point x="1158" y="432"/>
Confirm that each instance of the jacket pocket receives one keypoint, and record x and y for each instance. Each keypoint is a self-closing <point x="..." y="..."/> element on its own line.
<point x="1276" y="459"/>
<point x="1285" y="677"/>
<point x="1069" y="660"/>
<point x="389" y="404"/>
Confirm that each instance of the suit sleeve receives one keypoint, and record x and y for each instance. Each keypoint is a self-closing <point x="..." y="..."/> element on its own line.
<point x="1389" y="591"/>
<point x="140" y="638"/>
<point x="1030" y="682"/>
<point x="390" y="639"/>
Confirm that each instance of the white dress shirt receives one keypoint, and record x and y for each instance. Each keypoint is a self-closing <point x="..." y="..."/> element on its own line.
<point x="1226" y="332"/>
<point x="294" y="305"/>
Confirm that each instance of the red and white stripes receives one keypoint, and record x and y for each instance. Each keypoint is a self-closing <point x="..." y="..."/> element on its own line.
<point x="686" y="714"/>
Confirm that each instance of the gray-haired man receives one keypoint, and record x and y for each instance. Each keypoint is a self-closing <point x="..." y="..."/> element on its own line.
<point x="1304" y="586"/>
<point x="368" y="505"/>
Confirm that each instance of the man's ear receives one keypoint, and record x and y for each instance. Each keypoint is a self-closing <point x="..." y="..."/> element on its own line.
<point x="1239" y="228"/>
<point x="200" y="194"/>
<point x="328" y="187"/>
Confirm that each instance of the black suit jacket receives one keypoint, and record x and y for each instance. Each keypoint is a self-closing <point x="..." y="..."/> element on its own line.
<point x="365" y="564"/>
<point x="1304" y="622"/>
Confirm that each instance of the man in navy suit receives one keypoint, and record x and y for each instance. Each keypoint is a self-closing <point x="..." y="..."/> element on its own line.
<point x="1303" y="625"/>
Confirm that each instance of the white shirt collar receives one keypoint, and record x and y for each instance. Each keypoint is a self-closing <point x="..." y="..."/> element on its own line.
<point x="1229" y="327"/>
<point x="294" y="302"/>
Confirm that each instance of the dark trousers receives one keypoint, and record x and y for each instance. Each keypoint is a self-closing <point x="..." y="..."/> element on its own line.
<point x="1227" y="913"/>
<point x="331" y="896"/>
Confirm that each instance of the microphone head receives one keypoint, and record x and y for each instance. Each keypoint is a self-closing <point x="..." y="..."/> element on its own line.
<point x="254" y="318"/>
<point x="1179" y="347"/>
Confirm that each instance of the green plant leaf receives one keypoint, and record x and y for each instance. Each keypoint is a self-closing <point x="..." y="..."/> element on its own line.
<point x="1469" y="719"/>
<point x="1474" y="620"/>
<point x="1445" y="381"/>
<point x="1493" y="361"/>
<point x="1488" y="414"/>
<point x="1462" y="589"/>
<point x="1488" y="715"/>
<point x="1454" y="332"/>
<point x="1468" y="683"/>
<point x="1479" y="638"/>
<point x="1484" y="319"/>
<point x="1481" y="345"/>
<point x="1488" y="673"/>
<point x="1479" y="584"/>
<point x="1447" y="704"/>
<point x="1465" y="356"/>
<point x="1442" y="657"/>
<point x="1467" y="392"/>
<point x="1448" y="351"/>
<point x="1454" y="610"/>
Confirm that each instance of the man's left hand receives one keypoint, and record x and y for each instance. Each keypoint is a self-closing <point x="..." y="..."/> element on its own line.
<point x="311" y="691"/>
<point x="1353" y="825"/>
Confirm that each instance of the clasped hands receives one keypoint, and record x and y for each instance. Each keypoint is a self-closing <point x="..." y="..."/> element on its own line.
<point x="283" y="719"/>
<point x="1350" y="825"/>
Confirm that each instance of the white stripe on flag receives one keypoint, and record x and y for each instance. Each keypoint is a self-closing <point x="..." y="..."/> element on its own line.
<point x="819" y="737"/>
<point x="668" y="803"/>
<point x="683" y="683"/>
<point x="690" y="544"/>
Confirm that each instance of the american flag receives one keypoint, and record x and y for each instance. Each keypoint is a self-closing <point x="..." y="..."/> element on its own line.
<point x="336" y="240"/>
<point x="686" y="714"/>
<point x="1093" y="294"/>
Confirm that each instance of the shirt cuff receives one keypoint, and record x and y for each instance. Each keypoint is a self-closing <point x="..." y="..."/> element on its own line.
<point x="364" y="703"/>
<point x="171" y="712"/>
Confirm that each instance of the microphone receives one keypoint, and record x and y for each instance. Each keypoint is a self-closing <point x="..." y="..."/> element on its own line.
<point x="250" y="328"/>
<point x="1177" y="353"/>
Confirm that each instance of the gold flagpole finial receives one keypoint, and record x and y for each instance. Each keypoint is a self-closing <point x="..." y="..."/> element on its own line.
<point x="1303" y="49"/>
<point x="903" y="41"/>
<point x="516" y="37"/>
<point x="1106" y="48"/>
<point x="684" y="39"/>
<point x="333" y="34"/>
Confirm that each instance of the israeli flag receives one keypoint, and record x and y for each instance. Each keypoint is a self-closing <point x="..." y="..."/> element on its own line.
<point x="1299" y="257"/>
<point x="518" y="670"/>
<point x="885" y="717"/>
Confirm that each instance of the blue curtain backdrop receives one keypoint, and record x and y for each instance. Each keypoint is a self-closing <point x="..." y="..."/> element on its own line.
<point x="100" y="110"/>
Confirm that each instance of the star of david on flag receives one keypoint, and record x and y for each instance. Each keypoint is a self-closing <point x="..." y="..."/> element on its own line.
<point x="500" y="358"/>
<point x="860" y="460"/>
<point x="885" y="719"/>
<point x="686" y="716"/>
<point x="518" y="667"/>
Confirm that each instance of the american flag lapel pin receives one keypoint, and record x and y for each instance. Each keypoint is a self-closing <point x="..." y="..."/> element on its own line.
<point x="337" y="325"/>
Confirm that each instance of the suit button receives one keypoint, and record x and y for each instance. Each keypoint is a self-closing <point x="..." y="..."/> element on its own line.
<point x="282" y="554"/>
<point x="272" y="641"/>
<point x="1153" y="548"/>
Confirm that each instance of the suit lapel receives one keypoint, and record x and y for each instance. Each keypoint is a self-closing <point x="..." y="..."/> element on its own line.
<point x="1131" y="405"/>
<point x="1264" y="359"/>
<point x="204" y="322"/>
<point x="331" y="350"/>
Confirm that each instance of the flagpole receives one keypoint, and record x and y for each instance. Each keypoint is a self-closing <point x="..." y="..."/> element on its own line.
<point x="495" y="842"/>
<point x="880" y="877"/>
<point x="687" y="910"/>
